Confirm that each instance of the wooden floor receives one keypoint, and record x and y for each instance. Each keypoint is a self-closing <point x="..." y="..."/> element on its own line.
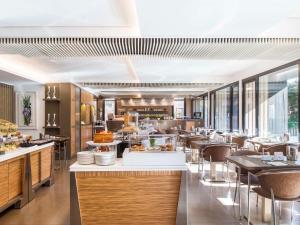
<point x="205" y="207"/>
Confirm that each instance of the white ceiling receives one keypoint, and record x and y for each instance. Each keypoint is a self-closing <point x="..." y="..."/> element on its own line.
<point x="144" y="18"/>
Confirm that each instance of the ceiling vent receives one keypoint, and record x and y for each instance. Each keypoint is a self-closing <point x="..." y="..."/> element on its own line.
<point x="203" y="48"/>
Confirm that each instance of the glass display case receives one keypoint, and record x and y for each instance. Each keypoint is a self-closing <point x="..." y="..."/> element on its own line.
<point x="152" y="142"/>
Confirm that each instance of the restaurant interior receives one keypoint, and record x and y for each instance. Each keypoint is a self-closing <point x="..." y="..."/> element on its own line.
<point x="135" y="112"/>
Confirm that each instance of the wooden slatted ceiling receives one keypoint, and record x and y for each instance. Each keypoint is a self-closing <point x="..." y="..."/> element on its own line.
<point x="204" y="48"/>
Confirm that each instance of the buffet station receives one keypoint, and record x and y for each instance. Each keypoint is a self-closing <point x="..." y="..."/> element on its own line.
<point x="146" y="186"/>
<point x="25" y="165"/>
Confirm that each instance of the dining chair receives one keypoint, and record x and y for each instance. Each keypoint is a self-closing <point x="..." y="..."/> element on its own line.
<point x="243" y="172"/>
<point x="240" y="142"/>
<point x="278" y="185"/>
<point x="194" y="148"/>
<point x="276" y="148"/>
<point x="216" y="154"/>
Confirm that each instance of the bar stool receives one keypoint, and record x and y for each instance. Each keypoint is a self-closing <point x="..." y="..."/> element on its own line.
<point x="60" y="146"/>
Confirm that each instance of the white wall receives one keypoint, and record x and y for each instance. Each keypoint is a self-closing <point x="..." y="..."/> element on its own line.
<point x="39" y="89"/>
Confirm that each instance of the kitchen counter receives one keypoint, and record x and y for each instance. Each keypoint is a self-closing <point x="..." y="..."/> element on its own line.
<point x="23" y="151"/>
<point x="128" y="194"/>
<point x="22" y="172"/>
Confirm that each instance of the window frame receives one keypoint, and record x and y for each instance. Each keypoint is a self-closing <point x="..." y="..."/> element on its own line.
<point x="255" y="78"/>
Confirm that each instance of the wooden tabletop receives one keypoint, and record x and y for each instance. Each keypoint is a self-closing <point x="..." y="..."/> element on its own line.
<point x="255" y="163"/>
<point x="204" y="142"/>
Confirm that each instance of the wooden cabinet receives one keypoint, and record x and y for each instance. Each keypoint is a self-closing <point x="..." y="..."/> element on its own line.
<point x="16" y="172"/>
<point x="3" y="184"/>
<point x="66" y="111"/>
<point x="12" y="174"/>
<point x="35" y="171"/>
<point x="41" y="165"/>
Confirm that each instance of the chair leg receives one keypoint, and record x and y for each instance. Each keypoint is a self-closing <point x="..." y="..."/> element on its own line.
<point x="292" y="211"/>
<point x="227" y="167"/>
<point x="273" y="208"/>
<point x="249" y="186"/>
<point x="256" y="200"/>
<point x="280" y="209"/>
<point x="235" y="190"/>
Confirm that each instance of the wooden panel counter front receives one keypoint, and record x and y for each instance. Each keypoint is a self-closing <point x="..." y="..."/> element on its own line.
<point x="117" y="194"/>
<point x="22" y="172"/>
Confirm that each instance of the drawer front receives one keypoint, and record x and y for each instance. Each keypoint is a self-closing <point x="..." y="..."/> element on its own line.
<point x="46" y="159"/>
<point x="3" y="184"/>
<point x="15" y="177"/>
<point x="35" y="167"/>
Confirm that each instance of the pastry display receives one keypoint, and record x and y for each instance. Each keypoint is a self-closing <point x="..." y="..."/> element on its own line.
<point x="8" y="129"/>
<point x="129" y="129"/>
<point x="102" y="149"/>
<point x="103" y="137"/>
<point x="152" y="143"/>
<point x="137" y="148"/>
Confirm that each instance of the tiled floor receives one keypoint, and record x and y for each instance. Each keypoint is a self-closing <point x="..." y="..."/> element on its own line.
<point x="208" y="204"/>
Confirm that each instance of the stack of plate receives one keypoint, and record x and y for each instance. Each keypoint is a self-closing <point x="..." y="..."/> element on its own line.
<point x="85" y="158"/>
<point x="105" y="158"/>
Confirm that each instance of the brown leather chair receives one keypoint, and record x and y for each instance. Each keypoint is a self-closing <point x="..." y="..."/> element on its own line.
<point x="276" y="148"/>
<point x="195" y="150"/>
<point x="216" y="154"/>
<point x="171" y="131"/>
<point x="239" y="141"/>
<point x="244" y="172"/>
<point x="279" y="185"/>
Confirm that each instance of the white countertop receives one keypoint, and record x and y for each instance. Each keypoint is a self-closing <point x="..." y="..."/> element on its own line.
<point x="118" y="166"/>
<point x="23" y="151"/>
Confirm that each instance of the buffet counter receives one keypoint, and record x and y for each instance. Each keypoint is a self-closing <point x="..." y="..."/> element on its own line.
<point x="22" y="171"/>
<point x="128" y="194"/>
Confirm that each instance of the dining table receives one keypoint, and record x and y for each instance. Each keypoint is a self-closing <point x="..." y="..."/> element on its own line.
<point x="264" y="143"/>
<point x="253" y="164"/>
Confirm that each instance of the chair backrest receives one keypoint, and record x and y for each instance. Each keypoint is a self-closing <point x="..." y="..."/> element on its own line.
<point x="276" y="148"/>
<point x="244" y="153"/>
<point x="240" y="141"/>
<point x="190" y="144"/>
<point x="217" y="153"/>
<point x="171" y="131"/>
<point x="284" y="183"/>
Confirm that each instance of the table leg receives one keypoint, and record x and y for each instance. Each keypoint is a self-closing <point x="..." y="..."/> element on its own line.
<point x="266" y="209"/>
<point x="213" y="171"/>
<point x="249" y="187"/>
<point x="239" y="190"/>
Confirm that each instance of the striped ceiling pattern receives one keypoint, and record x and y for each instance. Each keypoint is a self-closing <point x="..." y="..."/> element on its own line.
<point x="203" y="48"/>
<point x="147" y="85"/>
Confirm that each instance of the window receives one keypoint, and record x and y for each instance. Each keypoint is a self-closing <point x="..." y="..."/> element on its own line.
<point x="200" y="109"/>
<point x="250" y="108"/>
<point x="278" y="103"/>
<point x="222" y="114"/>
<point x="179" y="108"/>
<point x="212" y="110"/>
<point x="235" y="108"/>
<point x="225" y="108"/>
<point x="109" y="108"/>
<point x="206" y="111"/>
